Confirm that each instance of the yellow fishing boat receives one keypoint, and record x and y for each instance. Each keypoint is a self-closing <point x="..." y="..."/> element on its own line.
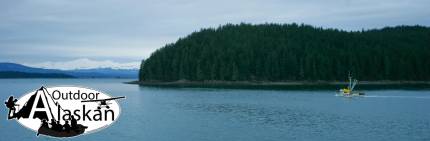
<point x="349" y="91"/>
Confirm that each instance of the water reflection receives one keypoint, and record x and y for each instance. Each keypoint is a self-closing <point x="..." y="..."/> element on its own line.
<point x="165" y="114"/>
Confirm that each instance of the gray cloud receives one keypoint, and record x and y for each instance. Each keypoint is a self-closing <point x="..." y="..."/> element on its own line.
<point x="129" y="30"/>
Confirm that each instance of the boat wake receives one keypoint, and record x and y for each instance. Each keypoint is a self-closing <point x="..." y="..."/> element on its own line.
<point x="388" y="96"/>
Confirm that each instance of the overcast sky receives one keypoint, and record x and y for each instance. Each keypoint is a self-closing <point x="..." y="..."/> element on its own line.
<point x="52" y="33"/>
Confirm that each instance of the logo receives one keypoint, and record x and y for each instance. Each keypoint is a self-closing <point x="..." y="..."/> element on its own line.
<point x="64" y="111"/>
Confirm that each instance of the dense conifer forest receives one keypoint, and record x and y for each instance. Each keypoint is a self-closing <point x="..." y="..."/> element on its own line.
<point x="292" y="52"/>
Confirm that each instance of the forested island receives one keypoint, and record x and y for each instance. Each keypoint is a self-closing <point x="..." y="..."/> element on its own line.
<point x="292" y="53"/>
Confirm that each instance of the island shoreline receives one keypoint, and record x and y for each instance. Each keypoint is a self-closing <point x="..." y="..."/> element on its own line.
<point x="286" y="84"/>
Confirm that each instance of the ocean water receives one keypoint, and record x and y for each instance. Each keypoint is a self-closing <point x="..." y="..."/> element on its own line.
<point x="203" y="114"/>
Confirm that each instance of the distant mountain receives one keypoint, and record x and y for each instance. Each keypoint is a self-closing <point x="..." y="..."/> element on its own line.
<point x="79" y="73"/>
<point x="14" y="74"/>
<point x="104" y="73"/>
<point x="22" y="68"/>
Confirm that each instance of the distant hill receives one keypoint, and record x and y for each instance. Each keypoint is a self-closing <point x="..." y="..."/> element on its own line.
<point x="79" y="73"/>
<point x="14" y="74"/>
<point x="105" y="73"/>
<point x="21" y="68"/>
<point x="292" y="52"/>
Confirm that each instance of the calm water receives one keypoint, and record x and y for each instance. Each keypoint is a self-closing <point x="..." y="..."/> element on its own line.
<point x="190" y="114"/>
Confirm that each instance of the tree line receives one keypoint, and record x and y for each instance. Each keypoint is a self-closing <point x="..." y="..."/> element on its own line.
<point x="292" y="52"/>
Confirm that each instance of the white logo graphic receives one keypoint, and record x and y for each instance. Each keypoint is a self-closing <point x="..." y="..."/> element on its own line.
<point x="64" y="111"/>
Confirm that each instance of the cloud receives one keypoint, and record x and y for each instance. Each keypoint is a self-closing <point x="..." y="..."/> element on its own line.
<point x="130" y="30"/>
<point x="85" y="63"/>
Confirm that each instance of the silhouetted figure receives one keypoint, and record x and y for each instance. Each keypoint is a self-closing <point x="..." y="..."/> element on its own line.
<point x="74" y="123"/>
<point x="54" y="125"/>
<point x="59" y="127"/>
<point x="10" y="104"/>
<point x="44" y="125"/>
<point x="26" y="109"/>
<point x="66" y="126"/>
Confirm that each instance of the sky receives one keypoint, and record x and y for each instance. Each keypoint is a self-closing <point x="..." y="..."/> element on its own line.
<point x="71" y="34"/>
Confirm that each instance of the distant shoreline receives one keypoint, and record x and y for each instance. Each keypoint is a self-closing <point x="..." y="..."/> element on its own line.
<point x="287" y="84"/>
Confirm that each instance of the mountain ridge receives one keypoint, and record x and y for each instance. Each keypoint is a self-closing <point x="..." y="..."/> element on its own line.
<point x="78" y="73"/>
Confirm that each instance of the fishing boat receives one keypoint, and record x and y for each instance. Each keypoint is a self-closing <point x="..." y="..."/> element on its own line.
<point x="349" y="91"/>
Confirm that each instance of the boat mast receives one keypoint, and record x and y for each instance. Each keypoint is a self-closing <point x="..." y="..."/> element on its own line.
<point x="350" y="81"/>
<point x="354" y="84"/>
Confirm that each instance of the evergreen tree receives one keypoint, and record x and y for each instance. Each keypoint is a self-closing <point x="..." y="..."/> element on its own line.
<point x="291" y="52"/>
